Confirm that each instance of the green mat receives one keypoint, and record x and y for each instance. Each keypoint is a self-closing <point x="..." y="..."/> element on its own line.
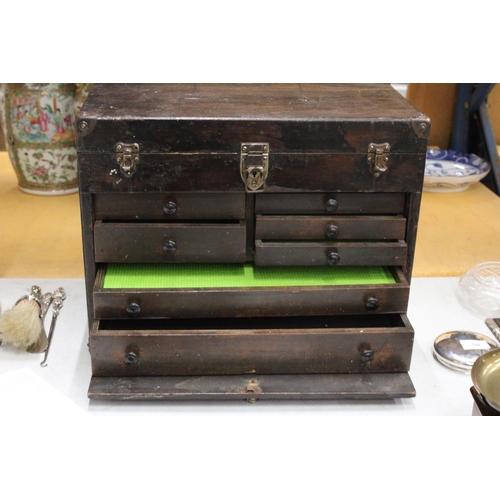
<point x="238" y="275"/>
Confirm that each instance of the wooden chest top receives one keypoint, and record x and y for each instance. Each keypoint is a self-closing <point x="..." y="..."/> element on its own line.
<point x="320" y="135"/>
<point x="220" y="116"/>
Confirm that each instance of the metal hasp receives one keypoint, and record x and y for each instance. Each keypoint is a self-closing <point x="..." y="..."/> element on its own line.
<point x="254" y="165"/>
<point x="127" y="156"/>
<point x="378" y="157"/>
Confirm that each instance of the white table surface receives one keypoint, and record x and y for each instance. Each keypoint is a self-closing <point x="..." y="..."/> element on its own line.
<point x="48" y="408"/>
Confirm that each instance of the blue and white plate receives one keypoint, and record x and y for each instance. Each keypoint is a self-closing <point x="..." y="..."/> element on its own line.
<point x="448" y="171"/>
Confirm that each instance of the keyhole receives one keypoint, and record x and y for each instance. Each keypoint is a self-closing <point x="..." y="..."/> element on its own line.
<point x="255" y="177"/>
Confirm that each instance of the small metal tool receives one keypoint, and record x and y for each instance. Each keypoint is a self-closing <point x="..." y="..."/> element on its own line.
<point x="58" y="297"/>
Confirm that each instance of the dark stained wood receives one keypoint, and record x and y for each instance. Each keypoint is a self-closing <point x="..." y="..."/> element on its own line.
<point x="145" y="242"/>
<point x="343" y="172"/>
<point x="358" y="386"/>
<point x="354" y="253"/>
<point x="278" y="102"/>
<point x="412" y="211"/>
<point x="90" y="267"/>
<point x="190" y="136"/>
<point x="291" y="117"/>
<point x="347" y="203"/>
<point x="264" y="345"/>
<point x="250" y="302"/>
<point x="316" y="227"/>
<point x="150" y="206"/>
<point x="215" y="172"/>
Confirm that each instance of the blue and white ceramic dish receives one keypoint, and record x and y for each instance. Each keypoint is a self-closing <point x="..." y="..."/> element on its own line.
<point x="448" y="171"/>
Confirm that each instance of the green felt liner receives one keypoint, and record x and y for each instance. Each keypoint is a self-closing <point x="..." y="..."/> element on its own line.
<point x="238" y="275"/>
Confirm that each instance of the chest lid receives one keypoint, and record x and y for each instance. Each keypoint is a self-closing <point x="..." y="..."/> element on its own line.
<point x="220" y="117"/>
<point x="271" y="134"/>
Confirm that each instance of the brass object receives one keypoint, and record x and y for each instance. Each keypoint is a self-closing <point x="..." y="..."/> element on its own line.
<point x="127" y="156"/>
<point x="485" y="371"/>
<point x="254" y="165"/>
<point x="378" y="158"/>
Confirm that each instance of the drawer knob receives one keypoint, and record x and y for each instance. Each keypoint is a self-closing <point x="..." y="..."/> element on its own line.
<point x="333" y="258"/>
<point x="133" y="309"/>
<point x="131" y="359"/>
<point x="367" y="355"/>
<point x="332" y="231"/>
<point x="170" y="246"/>
<point x="170" y="208"/>
<point x="372" y="303"/>
<point x="331" y="205"/>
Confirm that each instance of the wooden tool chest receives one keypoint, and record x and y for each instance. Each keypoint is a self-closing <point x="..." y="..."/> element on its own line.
<point x="249" y="241"/>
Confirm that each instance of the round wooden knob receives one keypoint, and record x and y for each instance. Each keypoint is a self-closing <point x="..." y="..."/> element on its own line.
<point x="131" y="359"/>
<point x="170" y="246"/>
<point x="372" y="303"/>
<point x="133" y="309"/>
<point x="331" y="205"/>
<point x="170" y="208"/>
<point x="367" y="355"/>
<point x="333" y="258"/>
<point x="332" y="231"/>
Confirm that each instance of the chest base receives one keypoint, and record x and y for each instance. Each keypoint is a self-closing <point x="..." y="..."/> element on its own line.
<point x="254" y="388"/>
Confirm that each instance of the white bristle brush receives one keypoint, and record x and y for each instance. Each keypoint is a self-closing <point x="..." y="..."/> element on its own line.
<point x="22" y="326"/>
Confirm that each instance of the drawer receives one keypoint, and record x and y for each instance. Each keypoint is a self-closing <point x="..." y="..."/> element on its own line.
<point x="208" y="291"/>
<point x="338" y="253"/>
<point x="164" y="242"/>
<point x="347" y="227"/>
<point x="328" y="203"/>
<point x="169" y="206"/>
<point x="279" y="345"/>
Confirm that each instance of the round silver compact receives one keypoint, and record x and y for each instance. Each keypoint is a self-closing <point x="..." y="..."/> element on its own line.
<point x="459" y="350"/>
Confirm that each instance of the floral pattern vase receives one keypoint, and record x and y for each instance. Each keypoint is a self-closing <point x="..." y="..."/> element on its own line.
<point x="38" y="126"/>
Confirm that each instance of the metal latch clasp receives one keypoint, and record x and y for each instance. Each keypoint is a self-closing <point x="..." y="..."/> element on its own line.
<point x="127" y="156"/>
<point x="378" y="158"/>
<point x="254" y="165"/>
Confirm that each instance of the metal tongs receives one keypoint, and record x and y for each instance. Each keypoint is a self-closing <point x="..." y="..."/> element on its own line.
<point x="57" y="302"/>
<point x="494" y="325"/>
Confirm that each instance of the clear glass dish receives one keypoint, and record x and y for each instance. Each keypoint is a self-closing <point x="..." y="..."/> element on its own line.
<point x="479" y="290"/>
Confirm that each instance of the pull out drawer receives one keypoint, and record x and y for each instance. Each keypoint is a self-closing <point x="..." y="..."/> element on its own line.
<point x="322" y="227"/>
<point x="338" y="253"/>
<point x="169" y="206"/>
<point x="328" y="203"/>
<point x="176" y="242"/>
<point x="209" y="291"/>
<point x="281" y="345"/>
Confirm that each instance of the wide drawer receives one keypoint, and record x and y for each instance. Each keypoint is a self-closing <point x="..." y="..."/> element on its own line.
<point x="350" y="344"/>
<point x="328" y="203"/>
<point x="337" y="253"/>
<point x="209" y="291"/>
<point x="352" y="227"/>
<point x="175" y="242"/>
<point x="169" y="206"/>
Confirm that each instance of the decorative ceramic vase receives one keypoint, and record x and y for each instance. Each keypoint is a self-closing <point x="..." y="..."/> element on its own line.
<point x="38" y="125"/>
<point x="81" y="94"/>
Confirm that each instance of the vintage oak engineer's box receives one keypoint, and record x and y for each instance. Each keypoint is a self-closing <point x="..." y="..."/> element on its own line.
<point x="249" y="241"/>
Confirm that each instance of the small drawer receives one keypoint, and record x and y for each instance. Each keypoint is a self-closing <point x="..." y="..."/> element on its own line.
<point x="329" y="203"/>
<point x="282" y="345"/>
<point x="169" y="206"/>
<point x="269" y="227"/>
<point x="338" y="253"/>
<point x="163" y="242"/>
<point x="137" y="291"/>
